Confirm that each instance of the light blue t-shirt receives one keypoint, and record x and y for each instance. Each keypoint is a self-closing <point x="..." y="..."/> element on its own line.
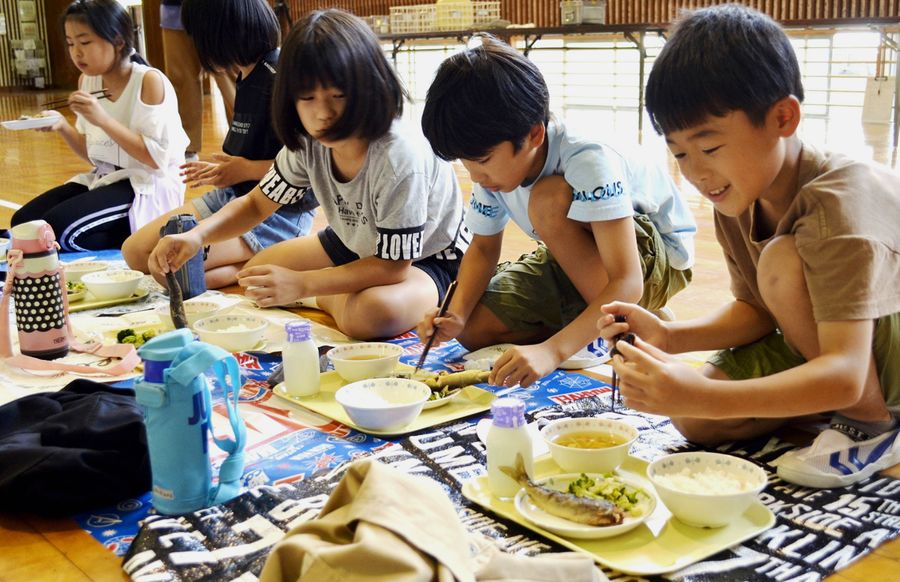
<point x="606" y="186"/>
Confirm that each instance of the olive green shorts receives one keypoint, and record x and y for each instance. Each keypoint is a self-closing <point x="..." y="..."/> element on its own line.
<point x="772" y="354"/>
<point x="533" y="293"/>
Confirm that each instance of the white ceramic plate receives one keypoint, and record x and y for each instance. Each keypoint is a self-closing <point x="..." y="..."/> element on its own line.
<point x="33" y="122"/>
<point x="441" y="401"/>
<point x="77" y="295"/>
<point x="571" y="529"/>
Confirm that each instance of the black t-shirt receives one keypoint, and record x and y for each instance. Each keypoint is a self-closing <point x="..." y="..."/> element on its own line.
<point x="251" y="134"/>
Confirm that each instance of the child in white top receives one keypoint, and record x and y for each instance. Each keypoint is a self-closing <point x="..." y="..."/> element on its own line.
<point x="127" y="127"/>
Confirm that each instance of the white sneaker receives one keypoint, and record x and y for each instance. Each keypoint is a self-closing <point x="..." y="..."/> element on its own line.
<point x="593" y="354"/>
<point x="836" y="460"/>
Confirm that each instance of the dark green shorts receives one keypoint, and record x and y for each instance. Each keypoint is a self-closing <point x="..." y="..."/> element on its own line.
<point x="533" y="293"/>
<point x="772" y="354"/>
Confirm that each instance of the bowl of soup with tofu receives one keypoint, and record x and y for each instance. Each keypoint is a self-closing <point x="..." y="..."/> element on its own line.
<point x="589" y="445"/>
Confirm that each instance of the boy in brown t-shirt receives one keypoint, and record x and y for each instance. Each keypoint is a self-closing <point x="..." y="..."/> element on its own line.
<point x="813" y="250"/>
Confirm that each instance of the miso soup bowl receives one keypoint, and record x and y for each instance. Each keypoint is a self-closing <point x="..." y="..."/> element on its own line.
<point x="589" y="460"/>
<point x="365" y="360"/>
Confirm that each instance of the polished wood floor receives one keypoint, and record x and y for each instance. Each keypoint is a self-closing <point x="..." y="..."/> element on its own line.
<point x="32" y="162"/>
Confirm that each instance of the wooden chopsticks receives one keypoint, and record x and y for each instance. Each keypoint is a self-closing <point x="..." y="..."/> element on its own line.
<point x="60" y="103"/>
<point x="442" y="311"/>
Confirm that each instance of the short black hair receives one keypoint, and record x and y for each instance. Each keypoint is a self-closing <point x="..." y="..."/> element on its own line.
<point x="718" y="60"/>
<point x="334" y="48"/>
<point x="482" y="97"/>
<point x="108" y="19"/>
<point x="231" y="33"/>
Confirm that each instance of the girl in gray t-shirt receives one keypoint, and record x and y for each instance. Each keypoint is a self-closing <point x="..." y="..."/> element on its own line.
<point x="395" y="234"/>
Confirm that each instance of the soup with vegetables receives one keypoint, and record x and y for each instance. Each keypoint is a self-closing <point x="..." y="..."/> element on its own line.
<point x="589" y="439"/>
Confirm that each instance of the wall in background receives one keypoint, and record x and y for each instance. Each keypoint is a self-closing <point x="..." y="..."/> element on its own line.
<point x="24" y="58"/>
<point x="547" y="12"/>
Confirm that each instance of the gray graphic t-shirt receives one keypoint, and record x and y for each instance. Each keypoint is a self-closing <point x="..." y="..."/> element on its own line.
<point x="404" y="204"/>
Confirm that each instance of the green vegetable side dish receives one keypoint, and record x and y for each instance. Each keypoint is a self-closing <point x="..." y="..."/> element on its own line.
<point x="74" y="287"/>
<point x="437" y="394"/>
<point x="631" y="500"/>
<point x="129" y="336"/>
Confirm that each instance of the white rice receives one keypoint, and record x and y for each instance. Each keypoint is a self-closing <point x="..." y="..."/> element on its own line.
<point x="237" y="328"/>
<point x="707" y="481"/>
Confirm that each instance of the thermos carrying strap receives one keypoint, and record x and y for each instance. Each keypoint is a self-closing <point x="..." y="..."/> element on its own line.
<point x="124" y="352"/>
<point x="225" y="367"/>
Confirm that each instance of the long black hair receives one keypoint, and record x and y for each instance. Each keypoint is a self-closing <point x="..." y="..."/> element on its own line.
<point x="109" y="20"/>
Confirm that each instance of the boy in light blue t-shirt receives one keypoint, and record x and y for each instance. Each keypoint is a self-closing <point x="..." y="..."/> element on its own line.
<point x="611" y="227"/>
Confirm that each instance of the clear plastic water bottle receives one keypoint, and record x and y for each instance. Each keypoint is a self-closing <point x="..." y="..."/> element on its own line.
<point x="301" y="360"/>
<point x="507" y="441"/>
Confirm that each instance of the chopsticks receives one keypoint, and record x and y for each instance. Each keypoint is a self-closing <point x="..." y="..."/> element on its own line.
<point x="441" y="313"/>
<point x="629" y="337"/>
<point x="60" y="103"/>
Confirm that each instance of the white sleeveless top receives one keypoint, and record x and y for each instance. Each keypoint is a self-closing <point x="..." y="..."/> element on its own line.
<point x="156" y="191"/>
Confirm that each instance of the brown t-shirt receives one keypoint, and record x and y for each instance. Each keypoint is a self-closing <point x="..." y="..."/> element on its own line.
<point x="845" y="218"/>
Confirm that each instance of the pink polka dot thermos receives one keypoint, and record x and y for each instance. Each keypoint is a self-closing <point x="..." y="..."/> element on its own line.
<point x="38" y="291"/>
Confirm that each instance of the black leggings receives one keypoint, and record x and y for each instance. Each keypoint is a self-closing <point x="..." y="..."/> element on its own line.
<point x="82" y="219"/>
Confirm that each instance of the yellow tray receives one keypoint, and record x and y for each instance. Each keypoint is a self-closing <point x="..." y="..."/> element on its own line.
<point x="471" y="400"/>
<point x="661" y="544"/>
<point x="91" y="302"/>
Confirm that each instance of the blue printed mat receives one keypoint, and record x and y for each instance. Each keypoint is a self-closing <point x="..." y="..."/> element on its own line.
<point x="817" y="531"/>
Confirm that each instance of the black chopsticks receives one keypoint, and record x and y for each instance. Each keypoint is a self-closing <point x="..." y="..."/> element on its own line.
<point x="441" y="313"/>
<point x="60" y="103"/>
<point x="628" y="337"/>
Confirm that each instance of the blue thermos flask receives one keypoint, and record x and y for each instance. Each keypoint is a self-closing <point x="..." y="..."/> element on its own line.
<point x="174" y="395"/>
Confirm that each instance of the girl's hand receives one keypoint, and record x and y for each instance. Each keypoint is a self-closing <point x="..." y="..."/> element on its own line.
<point x="447" y="327"/>
<point x="88" y="106"/>
<point x="653" y="381"/>
<point x="637" y="320"/>
<point x="271" y="285"/>
<point x="522" y="365"/>
<point x="223" y="171"/>
<point x="171" y="252"/>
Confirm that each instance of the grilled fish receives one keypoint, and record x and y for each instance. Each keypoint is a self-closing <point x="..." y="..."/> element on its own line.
<point x="597" y="512"/>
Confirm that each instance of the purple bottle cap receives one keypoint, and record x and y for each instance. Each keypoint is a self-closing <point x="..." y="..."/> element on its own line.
<point x="508" y="412"/>
<point x="298" y="331"/>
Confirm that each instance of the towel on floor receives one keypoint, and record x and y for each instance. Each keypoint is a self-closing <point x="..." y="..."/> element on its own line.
<point x="380" y="523"/>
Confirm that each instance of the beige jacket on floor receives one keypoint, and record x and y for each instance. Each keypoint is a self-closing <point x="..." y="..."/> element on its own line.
<point x="382" y="524"/>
